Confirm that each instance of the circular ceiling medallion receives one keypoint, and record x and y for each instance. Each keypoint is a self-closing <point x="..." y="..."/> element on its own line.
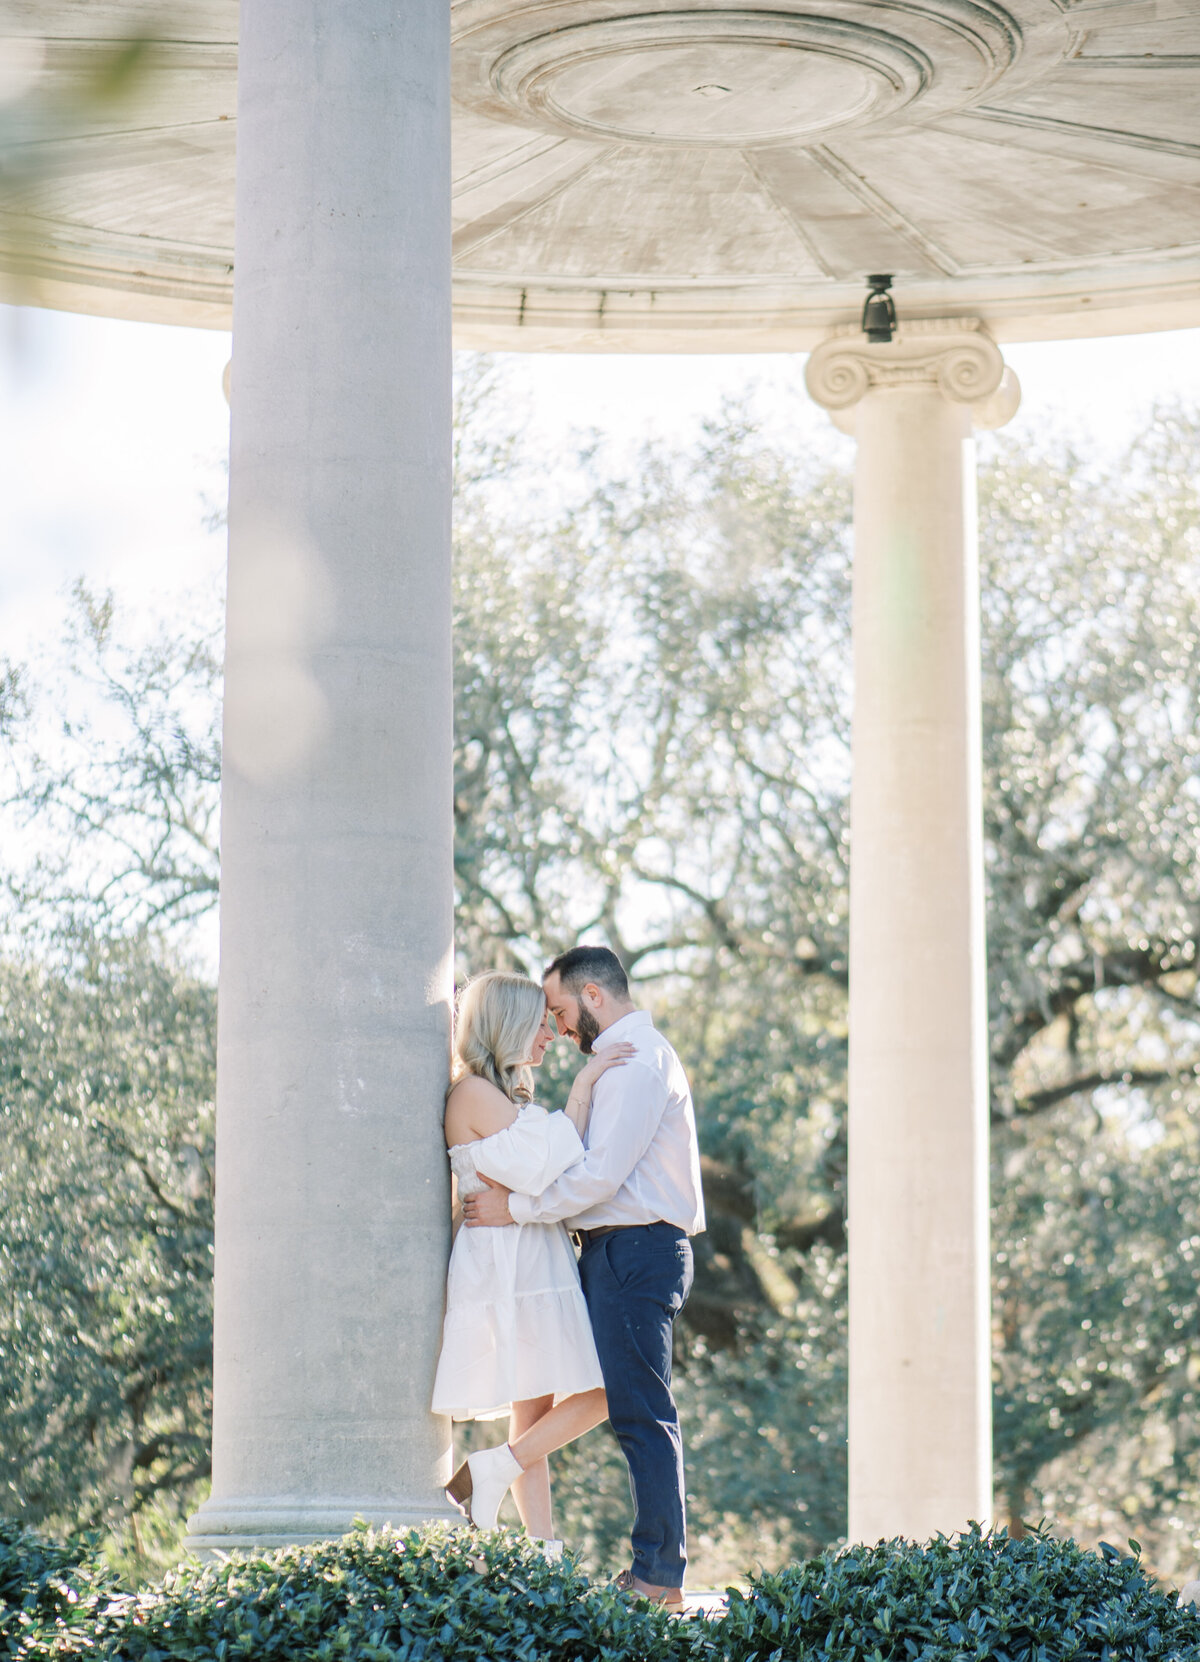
<point x="730" y="76"/>
<point x="708" y="78"/>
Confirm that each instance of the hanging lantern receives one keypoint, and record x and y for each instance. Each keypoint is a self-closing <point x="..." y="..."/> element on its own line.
<point x="879" y="313"/>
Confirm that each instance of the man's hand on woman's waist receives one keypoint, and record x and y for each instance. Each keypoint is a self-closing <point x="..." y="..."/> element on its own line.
<point x="488" y="1210"/>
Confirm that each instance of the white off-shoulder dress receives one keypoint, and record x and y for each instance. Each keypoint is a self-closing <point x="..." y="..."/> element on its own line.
<point x="516" y="1323"/>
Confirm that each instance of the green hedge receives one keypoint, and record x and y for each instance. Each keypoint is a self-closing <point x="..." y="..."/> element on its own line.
<point x="981" y="1598"/>
<point x="441" y="1595"/>
<point x="45" y="1587"/>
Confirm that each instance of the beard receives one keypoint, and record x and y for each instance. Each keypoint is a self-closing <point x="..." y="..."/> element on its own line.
<point x="587" y="1029"/>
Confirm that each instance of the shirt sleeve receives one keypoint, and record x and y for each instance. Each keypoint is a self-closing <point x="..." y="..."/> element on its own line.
<point x="627" y="1108"/>
<point x="529" y="1153"/>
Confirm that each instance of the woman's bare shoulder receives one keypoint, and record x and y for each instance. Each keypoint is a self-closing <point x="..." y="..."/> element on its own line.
<point x="474" y="1109"/>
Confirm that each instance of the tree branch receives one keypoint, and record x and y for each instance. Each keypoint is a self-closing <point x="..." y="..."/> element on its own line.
<point x="1039" y="1101"/>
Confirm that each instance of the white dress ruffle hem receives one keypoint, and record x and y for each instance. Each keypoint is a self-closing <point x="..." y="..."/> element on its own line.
<point x="516" y="1323"/>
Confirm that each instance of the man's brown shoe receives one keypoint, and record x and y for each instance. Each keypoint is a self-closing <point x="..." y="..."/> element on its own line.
<point x="671" y="1598"/>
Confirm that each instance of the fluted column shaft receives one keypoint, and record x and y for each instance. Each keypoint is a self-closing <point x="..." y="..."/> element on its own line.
<point x="920" y="1388"/>
<point x="336" y="908"/>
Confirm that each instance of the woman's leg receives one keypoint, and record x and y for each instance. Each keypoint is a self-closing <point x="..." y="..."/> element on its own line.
<point x="536" y="1428"/>
<point x="557" y="1427"/>
<point x="531" y="1490"/>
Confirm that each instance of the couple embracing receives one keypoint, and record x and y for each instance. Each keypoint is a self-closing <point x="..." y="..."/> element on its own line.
<point x="557" y="1345"/>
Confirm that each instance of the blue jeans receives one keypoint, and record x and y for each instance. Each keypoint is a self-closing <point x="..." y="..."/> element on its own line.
<point x="636" y="1281"/>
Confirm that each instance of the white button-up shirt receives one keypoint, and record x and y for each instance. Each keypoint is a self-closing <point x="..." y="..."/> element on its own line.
<point x="642" y="1159"/>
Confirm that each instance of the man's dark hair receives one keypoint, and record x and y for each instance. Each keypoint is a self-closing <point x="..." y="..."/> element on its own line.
<point x="589" y="963"/>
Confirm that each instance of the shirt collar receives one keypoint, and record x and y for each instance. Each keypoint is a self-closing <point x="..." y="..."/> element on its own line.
<point x="621" y="1028"/>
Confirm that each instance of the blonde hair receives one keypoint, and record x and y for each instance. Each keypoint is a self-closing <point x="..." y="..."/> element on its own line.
<point x="498" y="1017"/>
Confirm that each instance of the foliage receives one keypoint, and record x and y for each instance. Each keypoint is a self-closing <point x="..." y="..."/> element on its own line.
<point x="120" y="785"/>
<point x="106" y="1073"/>
<point x="45" y="1586"/>
<point x="436" y="1595"/>
<point x="1092" y="794"/>
<point x="439" y="1595"/>
<point x="41" y="110"/>
<point x="980" y="1598"/>
<point x="1097" y="1225"/>
<point x="1092" y="807"/>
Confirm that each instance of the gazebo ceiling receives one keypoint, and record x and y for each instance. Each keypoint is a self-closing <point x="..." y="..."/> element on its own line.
<point x="669" y="174"/>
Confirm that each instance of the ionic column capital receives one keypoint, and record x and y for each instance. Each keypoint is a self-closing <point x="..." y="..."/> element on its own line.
<point x="954" y="356"/>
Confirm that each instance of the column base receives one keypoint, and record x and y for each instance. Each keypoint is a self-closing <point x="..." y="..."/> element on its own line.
<point x="261" y="1525"/>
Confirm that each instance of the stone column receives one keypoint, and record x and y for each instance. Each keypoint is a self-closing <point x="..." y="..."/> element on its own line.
<point x="336" y="905"/>
<point x="920" y="1387"/>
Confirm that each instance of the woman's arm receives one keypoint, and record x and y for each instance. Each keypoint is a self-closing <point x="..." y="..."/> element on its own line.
<point x="579" y="1102"/>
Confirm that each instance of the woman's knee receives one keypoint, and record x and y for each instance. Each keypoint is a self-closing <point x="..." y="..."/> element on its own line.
<point x="589" y="1407"/>
<point x="523" y="1415"/>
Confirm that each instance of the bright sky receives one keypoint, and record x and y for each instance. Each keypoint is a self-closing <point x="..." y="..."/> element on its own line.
<point x="114" y="435"/>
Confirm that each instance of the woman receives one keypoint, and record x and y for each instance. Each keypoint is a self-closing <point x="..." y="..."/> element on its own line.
<point x="516" y="1336"/>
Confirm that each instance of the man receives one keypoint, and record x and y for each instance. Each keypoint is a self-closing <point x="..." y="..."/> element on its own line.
<point x="632" y="1202"/>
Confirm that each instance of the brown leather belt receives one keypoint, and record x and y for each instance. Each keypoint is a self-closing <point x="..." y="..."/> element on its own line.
<point x="584" y="1237"/>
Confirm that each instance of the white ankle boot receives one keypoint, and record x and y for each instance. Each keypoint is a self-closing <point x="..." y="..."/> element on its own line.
<point x="493" y="1471"/>
<point x="550" y="1549"/>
